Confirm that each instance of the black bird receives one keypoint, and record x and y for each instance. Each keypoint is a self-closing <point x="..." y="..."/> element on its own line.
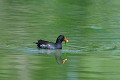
<point x="42" y="44"/>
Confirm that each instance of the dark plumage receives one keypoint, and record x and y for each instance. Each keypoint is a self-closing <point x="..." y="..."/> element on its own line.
<point x="42" y="44"/>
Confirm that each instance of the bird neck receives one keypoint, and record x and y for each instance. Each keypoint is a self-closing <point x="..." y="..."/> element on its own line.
<point x="58" y="44"/>
<point x="58" y="41"/>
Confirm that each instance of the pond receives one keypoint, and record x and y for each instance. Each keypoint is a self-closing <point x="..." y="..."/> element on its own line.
<point x="92" y="28"/>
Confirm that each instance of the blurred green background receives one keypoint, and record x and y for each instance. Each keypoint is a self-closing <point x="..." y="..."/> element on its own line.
<point x="91" y="26"/>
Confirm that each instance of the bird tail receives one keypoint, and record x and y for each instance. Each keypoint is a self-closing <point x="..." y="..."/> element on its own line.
<point x="35" y="42"/>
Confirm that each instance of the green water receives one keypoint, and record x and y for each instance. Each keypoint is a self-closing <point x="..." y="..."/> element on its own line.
<point x="91" y="26"/>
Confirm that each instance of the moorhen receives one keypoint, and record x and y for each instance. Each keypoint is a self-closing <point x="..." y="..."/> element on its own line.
<point x="42" y="44"/>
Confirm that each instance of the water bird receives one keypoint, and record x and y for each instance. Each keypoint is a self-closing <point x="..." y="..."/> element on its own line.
<point x="42" y="44"/>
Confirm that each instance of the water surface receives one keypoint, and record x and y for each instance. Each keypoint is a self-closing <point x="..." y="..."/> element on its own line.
<point x="92" y="28"/>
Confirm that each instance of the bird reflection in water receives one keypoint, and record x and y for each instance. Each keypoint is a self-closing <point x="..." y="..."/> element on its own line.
<point x="60" y="57"/>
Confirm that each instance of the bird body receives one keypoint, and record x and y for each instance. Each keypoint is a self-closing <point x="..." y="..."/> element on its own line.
<point x="42" y="44"/>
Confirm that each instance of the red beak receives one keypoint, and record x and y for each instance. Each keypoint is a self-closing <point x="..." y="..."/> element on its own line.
<point x="65" y="39"/>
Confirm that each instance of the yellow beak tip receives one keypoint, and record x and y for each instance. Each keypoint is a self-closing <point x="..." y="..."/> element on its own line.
<point x="66" y="40"/>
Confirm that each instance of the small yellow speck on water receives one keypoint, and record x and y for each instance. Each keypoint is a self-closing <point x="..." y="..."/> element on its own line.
<point x="64" y="60"/>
